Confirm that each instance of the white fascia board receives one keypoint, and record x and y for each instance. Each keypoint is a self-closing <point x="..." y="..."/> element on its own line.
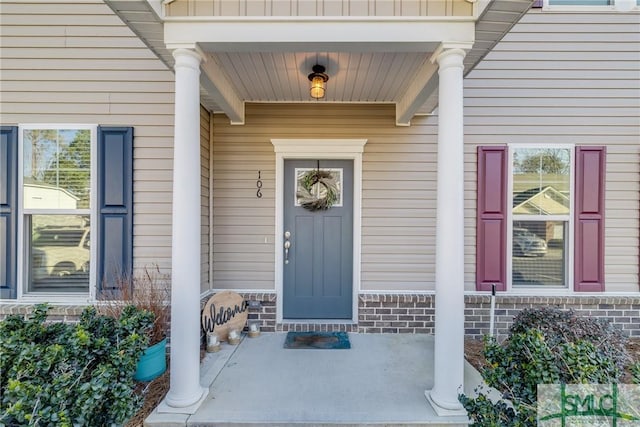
<point x="220" y="34"/>
<point x="156" y="5"/>
<point x="214" y="80"/>
<point x="423" y="85"/>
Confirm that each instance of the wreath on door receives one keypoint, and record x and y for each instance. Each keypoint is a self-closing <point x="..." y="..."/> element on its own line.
<point x="318" y="190"/>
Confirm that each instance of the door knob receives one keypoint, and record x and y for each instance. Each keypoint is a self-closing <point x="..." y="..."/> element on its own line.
<point x="287" y="245"/>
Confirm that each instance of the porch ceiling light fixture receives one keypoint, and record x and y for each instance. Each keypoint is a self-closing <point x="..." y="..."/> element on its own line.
<point x="318" y="81"/>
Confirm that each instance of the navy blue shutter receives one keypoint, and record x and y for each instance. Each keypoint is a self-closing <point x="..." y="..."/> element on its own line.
<point x="8" y="210"/>
<point x="115" y="205"/>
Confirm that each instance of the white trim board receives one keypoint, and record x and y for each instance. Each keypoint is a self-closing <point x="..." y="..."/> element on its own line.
<point x="350" y="149"/>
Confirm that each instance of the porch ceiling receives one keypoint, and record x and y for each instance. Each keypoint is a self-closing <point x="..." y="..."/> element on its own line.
<point x="366" y="63"/>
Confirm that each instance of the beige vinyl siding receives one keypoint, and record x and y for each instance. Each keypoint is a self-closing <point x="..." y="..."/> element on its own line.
<point x="320" y="8"/>
<point x="398" y="208"/>
<point x="205" y="157"/>
<point x="560" y="78"/>
<point x="76" y="62"/>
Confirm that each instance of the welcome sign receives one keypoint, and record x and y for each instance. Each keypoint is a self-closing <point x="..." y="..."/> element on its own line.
<point x="223" y="312"/>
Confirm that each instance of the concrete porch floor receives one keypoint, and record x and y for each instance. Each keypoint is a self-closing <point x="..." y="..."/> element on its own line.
<point x="380" y="381"/>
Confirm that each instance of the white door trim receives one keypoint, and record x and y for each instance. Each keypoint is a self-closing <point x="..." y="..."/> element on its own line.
<point x="350" y="149"/>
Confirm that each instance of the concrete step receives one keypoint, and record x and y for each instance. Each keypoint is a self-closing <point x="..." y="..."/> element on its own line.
<point x="182" y="422"/>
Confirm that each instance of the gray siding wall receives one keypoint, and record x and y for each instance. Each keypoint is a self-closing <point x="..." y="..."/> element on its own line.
<point x="79" y="63"/>
<point x="560" y="78"/>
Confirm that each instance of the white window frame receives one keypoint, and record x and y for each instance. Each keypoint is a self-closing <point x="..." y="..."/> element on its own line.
<point x="617" y="6"/>
<point x="57" y="297"/>
<point x="543" y="290"/>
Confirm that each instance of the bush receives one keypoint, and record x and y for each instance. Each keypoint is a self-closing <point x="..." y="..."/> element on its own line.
<point x="635" y="372"/>
<point x="545" y="346"/>
<point x="563" y="326"/>
<point x="71" y="374"/>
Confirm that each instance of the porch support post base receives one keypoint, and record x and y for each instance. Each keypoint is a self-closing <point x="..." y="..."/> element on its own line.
<point x="185" y="389"/>
<point x="452" y="409"/>
<point x="449" y="298"/>
<point x="172" y="407"/>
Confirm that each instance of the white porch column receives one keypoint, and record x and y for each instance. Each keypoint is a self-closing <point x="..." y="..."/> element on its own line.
<point x="185" y="290"/>
<point x="449" y="298"/>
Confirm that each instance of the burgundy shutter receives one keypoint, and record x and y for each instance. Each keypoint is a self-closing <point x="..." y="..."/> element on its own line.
<point x="491" y="239"/>
<point x="589" y="229"/>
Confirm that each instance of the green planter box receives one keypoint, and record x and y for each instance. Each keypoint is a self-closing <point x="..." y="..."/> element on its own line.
<point x="152" y="363"/>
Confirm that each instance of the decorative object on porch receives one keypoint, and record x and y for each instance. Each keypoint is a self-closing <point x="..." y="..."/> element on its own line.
<point x="254" y="329"/>
<point x="318" y="340"/>
<point x="152" y="363"/>
<point x="213" y="343"/>
<point x="233" y="337"/>
<point x="318" y="81"/>
<point x="318" y="190"/>
<point x="223" y="312"/>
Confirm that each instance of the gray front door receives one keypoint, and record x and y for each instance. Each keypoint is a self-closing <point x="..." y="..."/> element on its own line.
<point x="318" y="269"/>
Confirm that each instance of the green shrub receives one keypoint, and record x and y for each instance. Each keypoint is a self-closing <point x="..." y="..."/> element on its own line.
<point x="635" y="372"/>
<point x="62" y="374"/>
<point x="545" y="346"/>
<point x="562" y="326"/>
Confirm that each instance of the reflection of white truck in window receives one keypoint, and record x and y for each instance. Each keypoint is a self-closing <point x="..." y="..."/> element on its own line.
<point x="60" y="252"/>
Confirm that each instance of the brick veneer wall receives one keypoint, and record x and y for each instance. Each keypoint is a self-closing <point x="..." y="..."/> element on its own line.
<point x="412" y="313"/>
<point x="624" y="312"/>
<point x="57" y="313"/>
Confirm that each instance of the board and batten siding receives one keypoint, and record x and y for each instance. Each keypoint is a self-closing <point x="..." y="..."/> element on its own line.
<point x="77" y="62"/>
<point x="319" y="8"/>
<point x="566" y="78"/>
<point x="398" y="207"/>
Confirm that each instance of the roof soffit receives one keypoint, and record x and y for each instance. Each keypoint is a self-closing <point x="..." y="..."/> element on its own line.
<point x="359" y="41"/>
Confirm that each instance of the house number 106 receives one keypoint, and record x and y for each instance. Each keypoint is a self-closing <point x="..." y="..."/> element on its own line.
<point x="259" y="185"/>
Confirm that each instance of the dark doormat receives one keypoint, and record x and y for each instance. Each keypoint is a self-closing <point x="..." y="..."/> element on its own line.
<point x="318" y="340"/>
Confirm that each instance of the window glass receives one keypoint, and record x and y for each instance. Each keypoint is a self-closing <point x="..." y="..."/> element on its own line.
<point x="541" y="212"/>
<point x="539" y="253"/>
<point x="56" y="209"/>
<point x="59" y="252"/>
<point x="541" y="181"/>
<point x="56" y="168"/>
<point x="308" y="186"/>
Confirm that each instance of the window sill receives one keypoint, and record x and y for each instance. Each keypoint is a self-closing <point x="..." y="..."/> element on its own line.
<point x="53" y="299"/>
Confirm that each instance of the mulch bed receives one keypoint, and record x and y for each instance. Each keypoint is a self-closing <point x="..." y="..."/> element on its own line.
<point x="154" y="393"/>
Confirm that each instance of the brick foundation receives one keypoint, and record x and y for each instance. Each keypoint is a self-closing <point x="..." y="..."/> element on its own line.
<point x="412" y="313"/>
<point x="624" y="312"/>
<point x="57" y="313"/>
